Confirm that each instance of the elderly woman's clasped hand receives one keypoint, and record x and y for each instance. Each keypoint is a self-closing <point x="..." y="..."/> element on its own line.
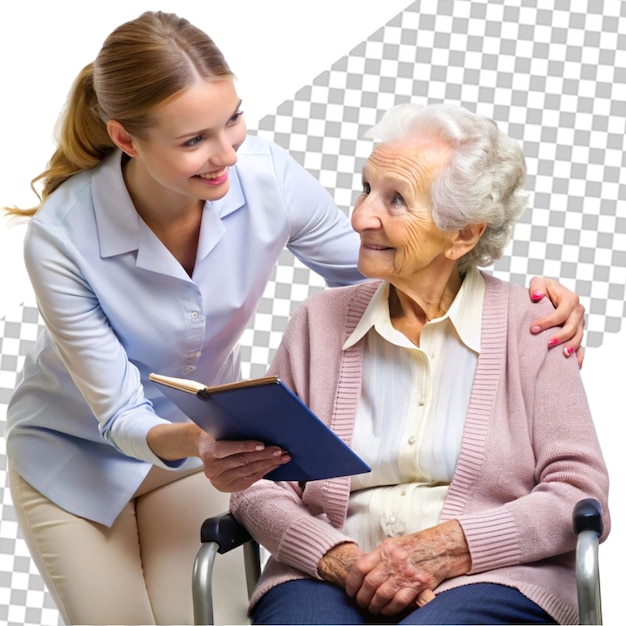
<point x="401" y="571"/>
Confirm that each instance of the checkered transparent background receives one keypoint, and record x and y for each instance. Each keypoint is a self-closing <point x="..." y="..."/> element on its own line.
<point x="551" y="73"/>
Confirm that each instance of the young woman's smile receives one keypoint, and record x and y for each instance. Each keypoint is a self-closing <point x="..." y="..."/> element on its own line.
<point x="188" y="149"/>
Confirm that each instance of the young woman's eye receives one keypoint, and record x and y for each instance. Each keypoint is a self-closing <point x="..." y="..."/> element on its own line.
<point x="194" y="141"/>
<point x="235" y="118"/>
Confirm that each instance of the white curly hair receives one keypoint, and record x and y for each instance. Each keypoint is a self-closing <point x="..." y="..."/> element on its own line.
<point x="483" y="181"/>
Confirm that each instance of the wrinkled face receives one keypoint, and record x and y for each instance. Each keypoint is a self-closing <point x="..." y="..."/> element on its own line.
<point x="193" y="140"/>
<point x="399" y="239"/>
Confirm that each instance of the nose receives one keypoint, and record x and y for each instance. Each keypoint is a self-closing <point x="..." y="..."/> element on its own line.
<point x="224" y="153"/>
<point x="365" y="215"/>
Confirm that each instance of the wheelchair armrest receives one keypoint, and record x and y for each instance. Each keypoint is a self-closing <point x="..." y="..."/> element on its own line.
<point x="225" y="531"/>
<point x="220" y="534"/>
<point x="588" y="516"/>
<point x="588" y="525"/>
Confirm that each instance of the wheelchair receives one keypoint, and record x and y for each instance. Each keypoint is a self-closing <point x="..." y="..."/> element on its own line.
<point x="223" y="533"/>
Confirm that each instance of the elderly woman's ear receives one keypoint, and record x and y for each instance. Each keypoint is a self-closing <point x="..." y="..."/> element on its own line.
<point x="465" y="239"/>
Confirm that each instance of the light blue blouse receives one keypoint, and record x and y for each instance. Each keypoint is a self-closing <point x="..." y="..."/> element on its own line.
<point x="117" y="306"/>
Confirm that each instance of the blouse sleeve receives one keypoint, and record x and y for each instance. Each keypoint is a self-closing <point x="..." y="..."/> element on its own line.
<point x="87" y="345"/>
<point x="322" y="237"/>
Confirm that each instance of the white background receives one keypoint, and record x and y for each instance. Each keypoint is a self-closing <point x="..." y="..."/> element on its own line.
<point x="274" y="47"/>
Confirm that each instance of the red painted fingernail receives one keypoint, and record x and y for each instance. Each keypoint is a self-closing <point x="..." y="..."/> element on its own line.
<point x="553" y="341"/>
<point x="568" y="351"/>
<point x="536" y="295"/>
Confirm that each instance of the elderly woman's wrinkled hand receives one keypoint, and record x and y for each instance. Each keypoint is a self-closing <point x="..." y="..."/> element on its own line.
<point x="403" y="571"/>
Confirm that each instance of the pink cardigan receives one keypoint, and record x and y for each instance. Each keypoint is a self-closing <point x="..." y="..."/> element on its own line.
<point x="529" y="451"/>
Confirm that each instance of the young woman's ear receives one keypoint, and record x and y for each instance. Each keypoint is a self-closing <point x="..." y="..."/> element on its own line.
<point x="121" y="138"/>
<point x="465" y="239"/>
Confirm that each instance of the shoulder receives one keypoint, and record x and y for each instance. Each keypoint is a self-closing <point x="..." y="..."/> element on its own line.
<point x="257" y="154"/>
<point x="508" y="314"/>
<point x="332" y="309"/>
<point x="73" y="194"/>
<point x="342" y="298"/>
<point x="65" y="218"/>
<point x="254" y="146"/>
<point x="79" y="194"/>
<point x="321" y="322"/>
<point x="519" y="303"/>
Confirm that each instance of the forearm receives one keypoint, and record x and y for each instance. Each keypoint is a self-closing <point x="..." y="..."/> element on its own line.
<point x="334" y="566"/>
<point x="444" y="550"/>
<point x="277" y="518"/>
<point x="171" y="442"/>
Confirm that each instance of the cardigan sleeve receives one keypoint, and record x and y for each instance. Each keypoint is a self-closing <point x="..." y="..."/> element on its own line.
<point x="542" y="455"/>
<point x="295" y="532"/>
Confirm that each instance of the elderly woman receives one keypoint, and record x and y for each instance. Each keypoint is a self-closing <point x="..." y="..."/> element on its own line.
<point x="479" y="437"/>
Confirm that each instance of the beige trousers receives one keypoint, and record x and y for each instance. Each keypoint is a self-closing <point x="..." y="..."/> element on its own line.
<point x="139" y="570"/>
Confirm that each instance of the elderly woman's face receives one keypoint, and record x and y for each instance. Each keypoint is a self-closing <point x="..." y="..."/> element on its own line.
<point x="399" y="239"/>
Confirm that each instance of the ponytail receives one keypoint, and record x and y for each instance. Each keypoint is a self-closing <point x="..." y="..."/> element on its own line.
<point x="83" y="140"/>
<point x="141" y="64"/>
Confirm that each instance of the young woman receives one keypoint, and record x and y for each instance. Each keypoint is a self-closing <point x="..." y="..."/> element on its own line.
<point x="159" y="227"/>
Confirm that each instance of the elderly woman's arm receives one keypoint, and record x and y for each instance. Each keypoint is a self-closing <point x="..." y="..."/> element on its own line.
<point x="278" y="519"/>
<point x="337" y="563"/>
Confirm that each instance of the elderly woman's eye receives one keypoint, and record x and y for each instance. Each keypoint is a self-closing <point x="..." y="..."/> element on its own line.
<point x="366" y="188"/>
<point x="398" y="199"/>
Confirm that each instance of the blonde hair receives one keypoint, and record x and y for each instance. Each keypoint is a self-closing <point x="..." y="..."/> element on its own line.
<point x="141" y="64"/>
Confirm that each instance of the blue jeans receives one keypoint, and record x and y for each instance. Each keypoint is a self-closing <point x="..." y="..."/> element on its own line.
<point x="317" y="602"/>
